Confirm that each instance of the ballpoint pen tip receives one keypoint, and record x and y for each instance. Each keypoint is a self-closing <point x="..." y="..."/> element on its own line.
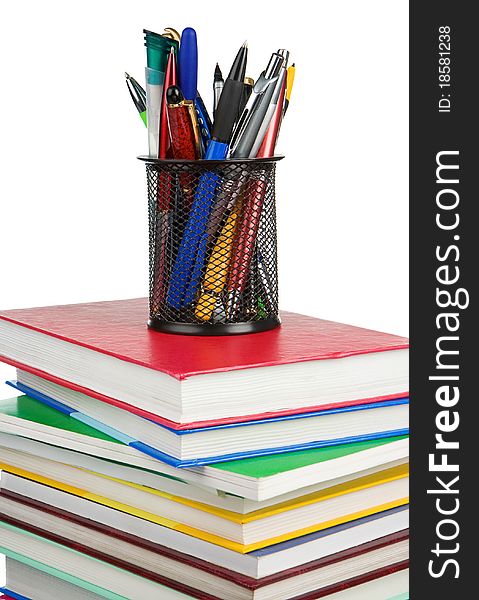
<point x="126" y="75"/>
<point x="293" y="65"/>
<point x="218" y="75"/>
<point x="245" y="45"/>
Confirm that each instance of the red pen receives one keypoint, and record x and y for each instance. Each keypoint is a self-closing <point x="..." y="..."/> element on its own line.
<point x="183" y="138"/>
<point x="165" y="193"/>
<point x="171" y="78"/>
<point x="269" y="141"/>
<point x="182" y="132"/>
<point x="244" y="248"/>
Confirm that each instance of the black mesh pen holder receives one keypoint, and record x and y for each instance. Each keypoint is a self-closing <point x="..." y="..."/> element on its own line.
<point x="213" y="246"/>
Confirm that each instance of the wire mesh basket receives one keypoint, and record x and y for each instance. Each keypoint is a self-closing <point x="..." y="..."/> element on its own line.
<point x="213" y="246"/>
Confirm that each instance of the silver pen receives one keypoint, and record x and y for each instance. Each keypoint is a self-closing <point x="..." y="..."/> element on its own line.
<point x="252" y="125"/>
<point x="285" y="54"/>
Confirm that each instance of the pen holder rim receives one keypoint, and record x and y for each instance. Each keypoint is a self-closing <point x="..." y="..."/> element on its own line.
<point x="202" y="162"/>
<point x="216" y="329"/>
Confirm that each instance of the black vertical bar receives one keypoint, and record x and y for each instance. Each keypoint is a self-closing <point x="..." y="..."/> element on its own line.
<point x="443" y="120"/>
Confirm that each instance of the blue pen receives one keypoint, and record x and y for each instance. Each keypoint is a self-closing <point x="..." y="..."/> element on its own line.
<point x="188" y="79"/>
<point x="186" y="273"/>
<point x="204" y="121"/>
<point x="188" y="82"/>
<point x="188" y="64"/>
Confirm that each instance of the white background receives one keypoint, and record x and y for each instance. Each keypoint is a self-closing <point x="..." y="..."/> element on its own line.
<point x="73" y="196"/>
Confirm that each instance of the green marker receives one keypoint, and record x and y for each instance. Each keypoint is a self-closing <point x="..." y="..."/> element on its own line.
<point x="138" y="95"/>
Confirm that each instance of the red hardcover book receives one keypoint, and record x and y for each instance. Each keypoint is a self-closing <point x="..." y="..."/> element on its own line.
<point x="354" y="581"/>
<point x="238" y="578"/>
<point x="106" y="351"/>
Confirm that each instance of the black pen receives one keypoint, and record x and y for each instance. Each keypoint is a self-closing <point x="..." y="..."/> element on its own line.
<point x="227" y="111"/>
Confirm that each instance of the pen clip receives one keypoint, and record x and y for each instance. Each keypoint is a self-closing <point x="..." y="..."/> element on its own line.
<point x="260" y="87"/>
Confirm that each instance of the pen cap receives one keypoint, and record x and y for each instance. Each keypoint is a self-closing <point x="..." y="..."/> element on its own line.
<point x="247" y="89"/>
<point x="275" y="63"/>
<point x="285" y="54"/>
<point x="213" y="259"/>
<point x="188" y="64"/>
<point x="157" y="50"/>
<point x="181" y="127"/>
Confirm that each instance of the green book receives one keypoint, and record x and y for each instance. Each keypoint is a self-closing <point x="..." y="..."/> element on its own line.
<point x="28" y="409"/>
<point x="256" y="478"/>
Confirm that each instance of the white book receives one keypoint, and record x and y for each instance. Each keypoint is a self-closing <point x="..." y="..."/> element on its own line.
<point x="244" y="532"/>
<point x="27" y="425"/>
<point x="256" y="564"/>
<point x="349" y="423"/>
<point x="134" y="587"/>
<point x="171" y="484"/>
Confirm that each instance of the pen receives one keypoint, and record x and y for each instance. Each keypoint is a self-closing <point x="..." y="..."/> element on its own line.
<point x="226" y="115"/>
<point x="138" y="95"/>
<point x="250" y="219"/>
<point x="183" y="143"/>
<point x="252" y="125"/>
<point x="244" y="248"/>
<point x="218" y="83"/>
<point x="167" y="182"/>
<point x="217" y="267"/>
<point x="188" y="78"/>
<point x="186" y="274"/>
<point x="170" y="80"/>
<point x="188" y="67"/>
<point x="269" y="141"/>
<point x="162" y="223"/>
<point x="188" y="63"/>
<point x="138" y="90"/>
<point x="228" y="106"/>
<point x="248" y="85"/>
<point x="265" y="282"/>
<point x="232" y="188"/>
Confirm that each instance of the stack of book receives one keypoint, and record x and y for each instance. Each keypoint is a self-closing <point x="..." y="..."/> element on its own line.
<point x="145" y="465"/>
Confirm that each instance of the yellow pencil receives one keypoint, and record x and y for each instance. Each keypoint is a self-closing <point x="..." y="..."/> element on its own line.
<point x="289" y="84"/>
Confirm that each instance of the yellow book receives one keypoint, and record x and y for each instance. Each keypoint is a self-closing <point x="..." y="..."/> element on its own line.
<point x="376" y="479"/>
<point x="338" y="490"/>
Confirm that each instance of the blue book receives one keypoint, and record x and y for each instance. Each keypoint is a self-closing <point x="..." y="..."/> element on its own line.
<point x="225" y="442"/>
